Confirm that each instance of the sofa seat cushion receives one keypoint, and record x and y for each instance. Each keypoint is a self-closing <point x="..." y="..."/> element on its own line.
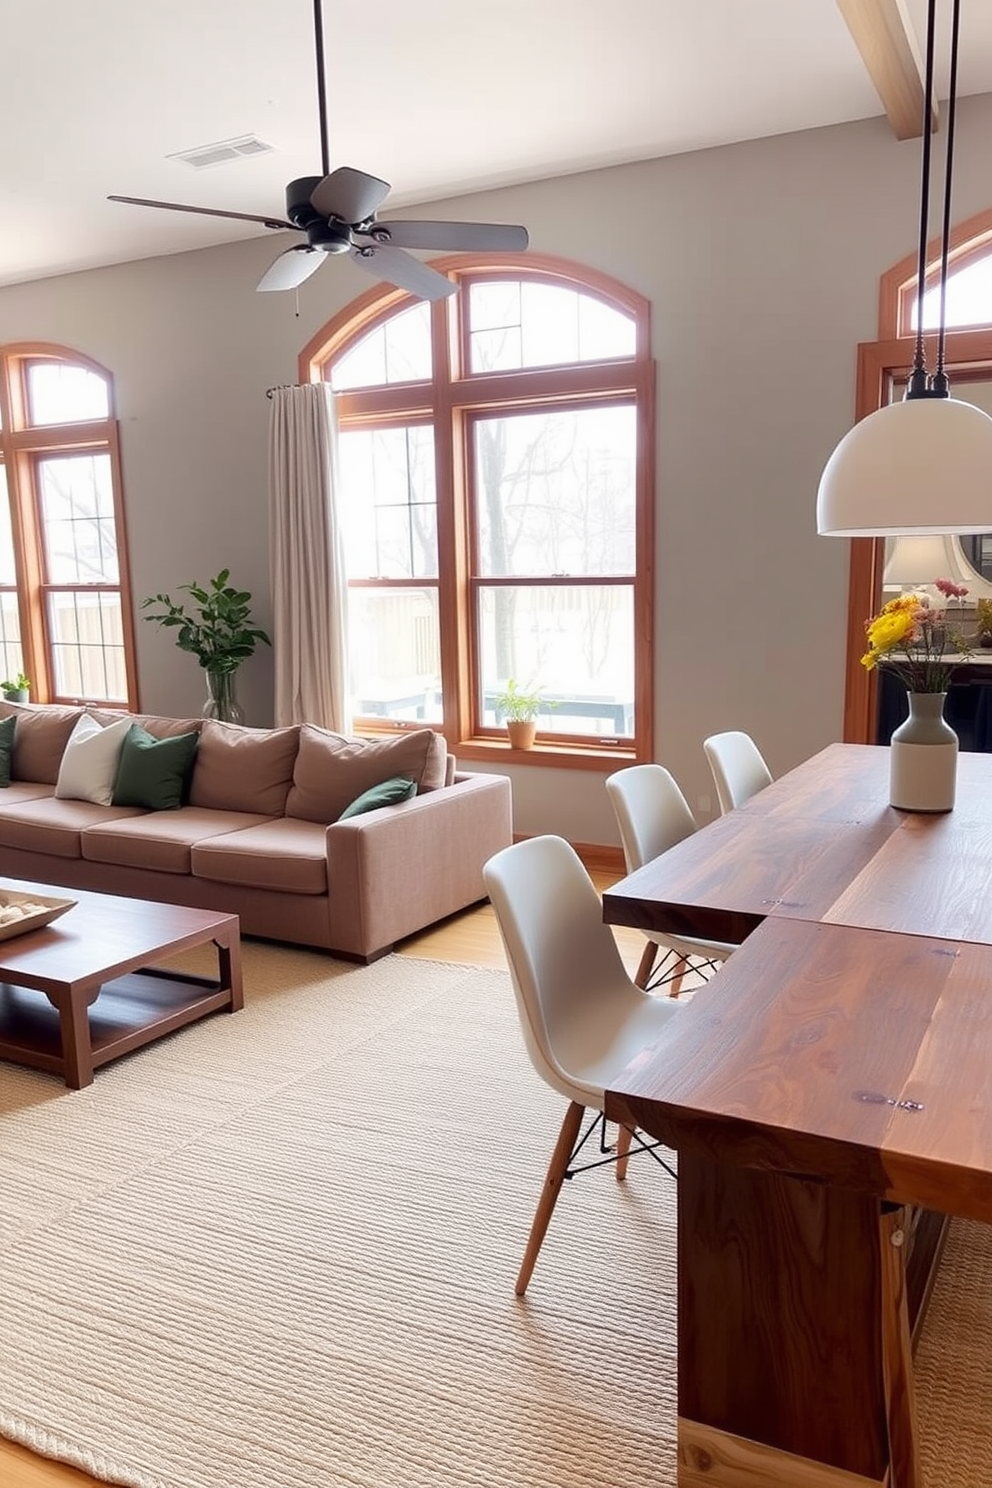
<point x="159" y="839"/>
<point x="244" y="769"/>
<point x="24" y="790"/>
<point x="332" y="771"/>
<point x="287" y="856"/>
<point x="48" y="825"/>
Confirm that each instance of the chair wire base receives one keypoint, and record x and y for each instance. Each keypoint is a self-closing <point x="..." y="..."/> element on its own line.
<point x="598" y="1124"/>
<point x="673" y="966"/>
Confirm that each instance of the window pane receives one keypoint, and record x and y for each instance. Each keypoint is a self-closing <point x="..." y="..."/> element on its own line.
<point x="574" y="644"/>
<point x="62" y="394"/>
<point x="538" y="325"/>
<point x="969" y="298"/>
<point x="555" y="492"/>
<point x="11" y="655"/>
<point x="8" y="573"/>
<point x="395" y="654"/>
<point x="87" y="645"/>
<point x="399" y="350"/>
<point x="77" y="513"/>
<point x="388" y="501"/>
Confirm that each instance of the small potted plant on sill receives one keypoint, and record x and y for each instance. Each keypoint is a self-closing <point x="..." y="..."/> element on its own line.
<point x="17" y="691"/>
<point x="519" y="712"/>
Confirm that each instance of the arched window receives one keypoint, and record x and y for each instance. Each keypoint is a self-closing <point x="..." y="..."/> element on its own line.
<point x="496" y="481"/>
<point x="64" y="620"/>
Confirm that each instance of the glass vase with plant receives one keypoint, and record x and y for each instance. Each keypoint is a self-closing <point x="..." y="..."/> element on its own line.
<point x="216" y="627"/>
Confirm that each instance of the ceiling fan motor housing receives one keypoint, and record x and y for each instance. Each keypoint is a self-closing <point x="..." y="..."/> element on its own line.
<point x="328" y="234"/>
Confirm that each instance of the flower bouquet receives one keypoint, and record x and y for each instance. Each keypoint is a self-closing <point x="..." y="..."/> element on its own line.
<point x="912" y="637"/>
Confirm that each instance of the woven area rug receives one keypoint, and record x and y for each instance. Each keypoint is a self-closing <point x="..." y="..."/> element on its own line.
<point x="278" y="1249"/>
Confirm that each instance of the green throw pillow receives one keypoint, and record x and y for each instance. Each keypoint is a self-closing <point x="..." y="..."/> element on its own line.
<point x="154" y="772"/>
<point x="7" y="726"/>
<point x="399" y="788"/>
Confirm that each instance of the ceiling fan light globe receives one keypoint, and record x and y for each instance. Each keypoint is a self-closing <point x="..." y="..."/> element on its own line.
<point x="920" y="466"/>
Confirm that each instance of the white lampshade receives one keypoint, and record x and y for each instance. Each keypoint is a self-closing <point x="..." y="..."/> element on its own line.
<point x="917" y="560"/>
<point x="920" y="466"/>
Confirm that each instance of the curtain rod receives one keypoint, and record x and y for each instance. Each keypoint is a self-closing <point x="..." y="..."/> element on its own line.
<point x="283" y="386"/>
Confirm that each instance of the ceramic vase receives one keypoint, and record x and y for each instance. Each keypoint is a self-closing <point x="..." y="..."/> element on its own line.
<point x="222" y="701"/>
<point x="923" y="764"/>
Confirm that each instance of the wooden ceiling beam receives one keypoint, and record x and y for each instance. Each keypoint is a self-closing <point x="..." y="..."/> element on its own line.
<point x="884" y="37"/>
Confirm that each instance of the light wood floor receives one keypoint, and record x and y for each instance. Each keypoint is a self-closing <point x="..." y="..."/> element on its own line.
<point x="471" y="938"/>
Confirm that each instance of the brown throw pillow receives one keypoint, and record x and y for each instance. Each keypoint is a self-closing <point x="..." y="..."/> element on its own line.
<point x="40" y="737"/>
<point x="243" y="769"/>
<point x="331" y="771"/>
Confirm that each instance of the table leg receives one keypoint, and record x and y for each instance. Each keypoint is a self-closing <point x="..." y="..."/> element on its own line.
<point x="794" y="1358"/>
<point x="229" y="968"/>
<point x="74" y="1028"/>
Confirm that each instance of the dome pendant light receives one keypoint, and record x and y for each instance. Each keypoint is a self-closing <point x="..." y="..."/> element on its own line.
<point x="923" y="465"/>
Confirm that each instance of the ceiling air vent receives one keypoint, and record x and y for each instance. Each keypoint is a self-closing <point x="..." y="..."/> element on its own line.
<point x="216" y="154"/>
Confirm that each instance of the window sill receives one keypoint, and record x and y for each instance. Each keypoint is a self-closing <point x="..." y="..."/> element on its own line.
<point x="597" y="756"/>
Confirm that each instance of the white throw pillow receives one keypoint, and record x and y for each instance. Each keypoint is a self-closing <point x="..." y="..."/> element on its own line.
<point x="89" y="765"/>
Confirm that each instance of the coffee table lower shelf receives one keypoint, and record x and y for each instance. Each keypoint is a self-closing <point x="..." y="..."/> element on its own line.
<point x="98" y="984"/>
<point x="130" y="1012"/>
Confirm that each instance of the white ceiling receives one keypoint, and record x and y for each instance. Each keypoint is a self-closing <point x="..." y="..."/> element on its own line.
<point x="439" y="97"/>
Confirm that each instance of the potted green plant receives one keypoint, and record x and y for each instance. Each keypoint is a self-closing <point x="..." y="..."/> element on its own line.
<point x="983" y="622"/>
<point x="519" y="712"/>
<point x="217" y="629"/>
<point x="17" y="691"/>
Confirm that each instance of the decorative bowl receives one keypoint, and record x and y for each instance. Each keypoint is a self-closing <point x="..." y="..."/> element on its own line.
<point x="41" y="910"/>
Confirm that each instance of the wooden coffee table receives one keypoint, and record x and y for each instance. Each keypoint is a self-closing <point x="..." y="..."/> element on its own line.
<point x="100" y="996"/>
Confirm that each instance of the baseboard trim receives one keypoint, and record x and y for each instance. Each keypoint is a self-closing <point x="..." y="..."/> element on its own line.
<point x="597" y="857"/>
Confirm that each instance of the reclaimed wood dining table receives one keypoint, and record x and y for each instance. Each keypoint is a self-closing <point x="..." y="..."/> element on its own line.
<point x="829" y="1096"/>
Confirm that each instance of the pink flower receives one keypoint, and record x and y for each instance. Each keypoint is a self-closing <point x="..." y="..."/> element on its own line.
<point x="949" y="589"/>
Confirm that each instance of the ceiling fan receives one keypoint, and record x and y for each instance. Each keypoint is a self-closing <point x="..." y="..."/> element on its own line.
<point x="337" y="212"/>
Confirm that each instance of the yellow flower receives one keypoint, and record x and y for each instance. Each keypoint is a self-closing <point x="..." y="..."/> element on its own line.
<point x="891" y="628"/>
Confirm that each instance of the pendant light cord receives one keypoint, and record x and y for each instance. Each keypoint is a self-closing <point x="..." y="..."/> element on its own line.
<point x="940" y="376"/>
<point x="318" y="38"/>
<point x="917" y="386"/>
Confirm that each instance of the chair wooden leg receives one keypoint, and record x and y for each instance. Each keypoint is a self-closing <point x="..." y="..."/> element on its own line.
<point x="623" y="1151"/>
<point x="646" y="964"/>
<point x="556" y="1172"/>
<point x="675" y="987"/>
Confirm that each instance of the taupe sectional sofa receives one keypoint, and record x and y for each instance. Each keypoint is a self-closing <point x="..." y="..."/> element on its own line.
<point x="258" y="831"/>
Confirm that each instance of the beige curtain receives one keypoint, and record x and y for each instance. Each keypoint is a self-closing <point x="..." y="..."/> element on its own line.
<point x="309" y="592"/>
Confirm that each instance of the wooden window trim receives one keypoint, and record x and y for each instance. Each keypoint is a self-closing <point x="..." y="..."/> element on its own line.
<point x="879" y="364"/>
<point x="450" y="398"/>
<point x="22" y="445"/>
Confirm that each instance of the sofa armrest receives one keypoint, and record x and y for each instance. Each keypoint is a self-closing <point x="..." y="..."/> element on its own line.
<point x="396" y="870"/>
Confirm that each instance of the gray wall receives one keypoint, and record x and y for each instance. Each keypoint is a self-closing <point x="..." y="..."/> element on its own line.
<point x="761" y="261"/>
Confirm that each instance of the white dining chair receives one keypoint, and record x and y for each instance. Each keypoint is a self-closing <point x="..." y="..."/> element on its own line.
<point x="581" y="1016"/>
<point x="737" y="767"/>
<point x="653" y="815"/>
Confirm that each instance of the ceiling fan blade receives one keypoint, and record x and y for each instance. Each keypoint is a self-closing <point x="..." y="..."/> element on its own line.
<point x="142" y="201"/>
<point x="398" y="268"/>
<point x="291" y="268"/>
<point x="482" y="237"/>
<point x="349" y="194"/>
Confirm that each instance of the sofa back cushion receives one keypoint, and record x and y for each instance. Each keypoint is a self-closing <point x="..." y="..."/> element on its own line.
<point x="40" y="736"/>
<point x="244" y="769"/>
<point x="332" y="771"/>
<point x="152" y="723"/>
